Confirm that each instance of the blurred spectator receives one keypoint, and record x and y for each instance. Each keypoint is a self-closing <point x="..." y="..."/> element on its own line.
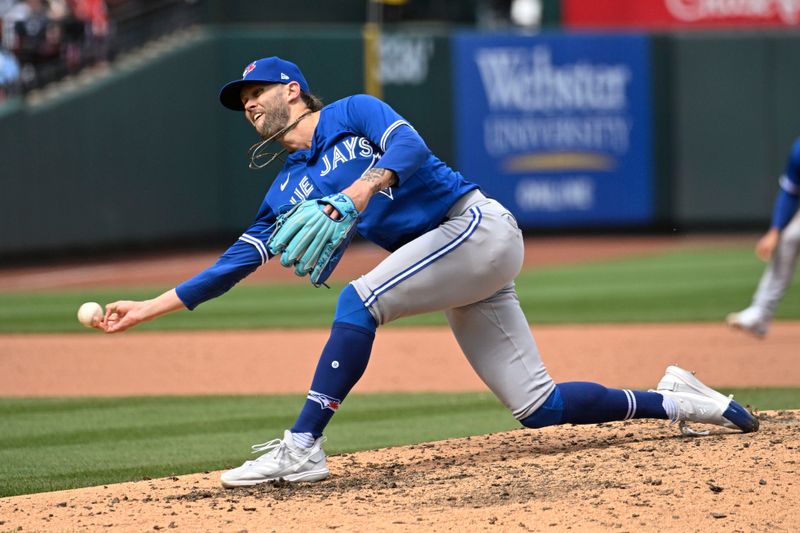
<point x="54" y="38"/>
<point x="93" y="14"/>
<point x="9" y="74"/>
<point x="5" y="7"/>
<point x="73" y="40"/>
<point x="9" y="66"/>
<point x="36" y="41"/>
<point x="14" y="11"/>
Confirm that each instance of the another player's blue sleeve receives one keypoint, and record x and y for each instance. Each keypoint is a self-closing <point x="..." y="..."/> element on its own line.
<point x="240" y="260"/>
<point x="788" y="199"/>
<point x="403" y="149"/>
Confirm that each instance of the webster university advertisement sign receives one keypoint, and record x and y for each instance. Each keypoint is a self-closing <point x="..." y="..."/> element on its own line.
<point x="681" y="13"/>
<point x="557" y="127"/>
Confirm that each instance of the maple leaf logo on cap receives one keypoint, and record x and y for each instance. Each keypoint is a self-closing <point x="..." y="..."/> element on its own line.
<point x="248" y="69"/>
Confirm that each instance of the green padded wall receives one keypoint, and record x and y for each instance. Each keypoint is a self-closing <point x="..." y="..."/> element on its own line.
<point x="147" y="155"/>
<point x="784" y="82"/>
<point x="734" y="113"/>
<point x="119" y="161"/>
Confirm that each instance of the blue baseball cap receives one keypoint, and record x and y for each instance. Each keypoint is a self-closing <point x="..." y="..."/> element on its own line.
<point x="267" y="70"/>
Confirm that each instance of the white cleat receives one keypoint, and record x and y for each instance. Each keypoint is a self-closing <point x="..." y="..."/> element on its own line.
<point x="700" y="403"/>
<point x="750" y="320"/>
<point x="284" y="461"/>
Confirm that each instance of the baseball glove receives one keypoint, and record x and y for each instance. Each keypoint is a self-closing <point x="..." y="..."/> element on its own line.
<point x="312" y="241"/>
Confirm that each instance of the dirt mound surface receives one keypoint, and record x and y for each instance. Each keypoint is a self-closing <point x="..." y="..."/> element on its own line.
<point x="404" y="359"/>
<point x="629" y="476"/>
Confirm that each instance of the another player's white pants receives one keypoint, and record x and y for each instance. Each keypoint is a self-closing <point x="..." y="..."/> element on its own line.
<point x="779" y="272"/>
<point x="466" y="267"/>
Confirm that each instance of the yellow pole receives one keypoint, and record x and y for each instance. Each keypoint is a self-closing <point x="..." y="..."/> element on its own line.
<point x="372" y="51"/>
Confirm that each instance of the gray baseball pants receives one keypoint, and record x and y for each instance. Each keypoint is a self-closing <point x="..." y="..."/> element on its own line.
<point x="778" y="275"/>
<point x="466" y="268"/>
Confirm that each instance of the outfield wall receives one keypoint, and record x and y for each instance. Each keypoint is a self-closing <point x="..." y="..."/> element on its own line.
<point x="146" y="155"/>
<point x="126" y="159"/>
<point x="734" y="113"/>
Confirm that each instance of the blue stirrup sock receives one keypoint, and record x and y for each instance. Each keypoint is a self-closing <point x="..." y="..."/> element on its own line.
<point x="351" y="310"/>
<point x="579" y="402"/>
<point x="342" y="363"/>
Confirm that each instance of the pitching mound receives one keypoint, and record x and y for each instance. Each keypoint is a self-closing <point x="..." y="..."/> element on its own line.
<point x="625" y="476"/>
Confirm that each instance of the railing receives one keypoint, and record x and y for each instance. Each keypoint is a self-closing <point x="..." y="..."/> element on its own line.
<point x="137" y="22"/>
<point x="49" y="46"/>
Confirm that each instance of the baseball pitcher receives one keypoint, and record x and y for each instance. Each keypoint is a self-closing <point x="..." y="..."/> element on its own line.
<point x="357" y="166"/>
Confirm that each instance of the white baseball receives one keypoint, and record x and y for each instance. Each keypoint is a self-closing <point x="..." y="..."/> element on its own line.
<point x="88" y="311"/>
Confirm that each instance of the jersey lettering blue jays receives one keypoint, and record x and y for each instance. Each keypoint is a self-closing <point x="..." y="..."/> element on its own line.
<point x="352" y="136"/>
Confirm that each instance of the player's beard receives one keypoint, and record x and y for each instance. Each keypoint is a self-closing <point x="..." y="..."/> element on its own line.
<point x="276" y="117"/>
<point x="273" y="125"/>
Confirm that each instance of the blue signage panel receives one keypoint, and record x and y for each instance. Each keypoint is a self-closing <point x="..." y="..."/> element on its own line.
<point x="557" y="127"/>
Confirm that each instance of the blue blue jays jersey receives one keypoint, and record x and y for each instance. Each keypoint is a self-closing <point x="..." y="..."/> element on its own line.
<point x="353" y="135"/>
<point x="788" y="198"/>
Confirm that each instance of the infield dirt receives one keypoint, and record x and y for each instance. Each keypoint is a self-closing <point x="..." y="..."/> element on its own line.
<point x="627" y="476"/>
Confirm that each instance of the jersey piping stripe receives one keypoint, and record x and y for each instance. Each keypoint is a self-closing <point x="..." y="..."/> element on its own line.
<point x="258" y="245"/>
<point x="396" y="124"/>
<point x="788" y="186"/>
<point x="430" y="259"/>
<point x="631" y="404"/>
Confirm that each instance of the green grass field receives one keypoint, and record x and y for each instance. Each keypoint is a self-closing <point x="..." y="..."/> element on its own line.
<point x="671" y="287"/>
<point x="52" y="444"/>
<point x="49" y="444"/>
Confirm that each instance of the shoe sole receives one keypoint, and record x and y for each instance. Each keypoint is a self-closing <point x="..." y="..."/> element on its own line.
<point x="735" y="413"/>
<point x="313" y="475"/>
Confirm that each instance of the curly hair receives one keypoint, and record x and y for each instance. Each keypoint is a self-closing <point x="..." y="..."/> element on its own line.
<point x="311" y="101"/>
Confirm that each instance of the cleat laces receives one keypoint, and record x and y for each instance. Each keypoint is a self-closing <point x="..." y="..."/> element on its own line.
<point x="274" y="446"/>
